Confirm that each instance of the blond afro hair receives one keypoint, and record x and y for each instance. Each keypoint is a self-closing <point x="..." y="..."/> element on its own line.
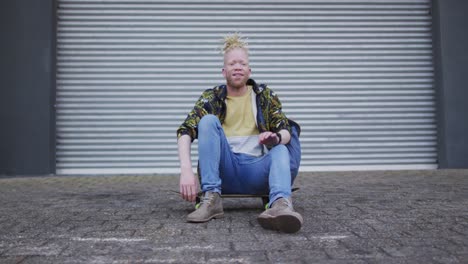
<point x="233" y="41"/>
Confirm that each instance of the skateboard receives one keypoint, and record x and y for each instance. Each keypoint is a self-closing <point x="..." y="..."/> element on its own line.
<point x="264" y="197"/>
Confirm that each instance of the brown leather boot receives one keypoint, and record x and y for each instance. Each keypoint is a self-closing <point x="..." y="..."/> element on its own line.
<point x="281" y="216"/>
<point x="211" y="206"/>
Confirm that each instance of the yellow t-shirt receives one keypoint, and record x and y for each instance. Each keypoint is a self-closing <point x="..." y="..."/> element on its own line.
<point x="240" y="126"/>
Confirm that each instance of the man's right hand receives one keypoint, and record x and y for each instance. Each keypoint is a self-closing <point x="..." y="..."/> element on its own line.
<point x="188" y="185"/>
<point x="188" y="182"/>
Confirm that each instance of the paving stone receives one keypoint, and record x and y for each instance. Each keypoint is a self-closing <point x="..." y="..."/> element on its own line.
<point x="237" y="257"/>
<point x="323" y="241"/>
<point x="262" y="246"/>
<point x="43" y="250"/>
<point x="458" y="240"/>
<point x="317" y="225"/>
<point x="356" y="244"/>
<point x="297" y="256"/>
<point x="356" y="253"/>
<point x="12" y="260"/>
<point x="350" y="217"/>
<point x="406" y="251"/>
<point x="163" y="231"/>
<point x="274" y="236"/>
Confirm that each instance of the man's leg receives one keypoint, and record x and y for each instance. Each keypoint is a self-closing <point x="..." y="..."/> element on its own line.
<point x="212" y="149"/>
<point x="261" y="175"/>
<point x="280" y="215"/>
<point x="245" y="174"/>
<point x="268" y="173"/>
<point x="279" y="174"/>
<point x="213" y="152"/>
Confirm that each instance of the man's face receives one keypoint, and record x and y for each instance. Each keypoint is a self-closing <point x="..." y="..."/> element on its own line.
<point x="236" y="69"/>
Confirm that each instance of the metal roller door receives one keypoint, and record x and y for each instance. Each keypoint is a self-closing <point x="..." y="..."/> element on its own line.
<point x="357" y="75"/>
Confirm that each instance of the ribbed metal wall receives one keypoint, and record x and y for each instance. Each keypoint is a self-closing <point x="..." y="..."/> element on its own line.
<point x="357" y="75"/>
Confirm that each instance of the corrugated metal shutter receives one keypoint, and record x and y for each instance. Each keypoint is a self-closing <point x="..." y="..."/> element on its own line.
<point x="357" y="75"/>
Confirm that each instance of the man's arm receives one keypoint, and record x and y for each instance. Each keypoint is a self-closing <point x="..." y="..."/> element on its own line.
<point x="189" y="126"/>
<point x="277" y="119"/>
<point x="188" y="182"/>
<point x="285" y="136"/>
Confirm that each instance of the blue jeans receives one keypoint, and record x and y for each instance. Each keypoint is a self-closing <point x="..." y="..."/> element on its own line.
<point x="226" y="172"/>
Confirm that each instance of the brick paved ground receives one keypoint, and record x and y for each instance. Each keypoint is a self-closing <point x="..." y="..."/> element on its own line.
<point x="350" y="217"/>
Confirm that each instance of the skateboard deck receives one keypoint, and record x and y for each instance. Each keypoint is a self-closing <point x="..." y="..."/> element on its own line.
<point x="241" y="195"/>
<point x="251" y="195"/>
<point x="264" y="197"/>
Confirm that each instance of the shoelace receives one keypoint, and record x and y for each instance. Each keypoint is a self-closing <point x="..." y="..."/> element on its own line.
<point x="284" y="203"/>
<point x="207" y="199"/>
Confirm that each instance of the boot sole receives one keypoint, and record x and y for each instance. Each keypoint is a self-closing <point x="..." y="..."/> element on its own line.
<point x="215" y="216"/>
<point x="284" y="223"/>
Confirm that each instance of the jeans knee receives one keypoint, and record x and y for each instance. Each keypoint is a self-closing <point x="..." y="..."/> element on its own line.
<point x="280" y="153"/>
<point x="280" y="150"/>
<point x="207" y="121"/>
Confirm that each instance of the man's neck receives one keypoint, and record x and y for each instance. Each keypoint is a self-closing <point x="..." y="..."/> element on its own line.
<point x="231" y="91"/>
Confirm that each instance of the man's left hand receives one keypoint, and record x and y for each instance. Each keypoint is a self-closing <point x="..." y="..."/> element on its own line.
<point x="268" y="138"/>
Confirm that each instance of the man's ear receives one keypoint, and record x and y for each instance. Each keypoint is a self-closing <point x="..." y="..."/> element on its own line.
<point x="224" y="72"/>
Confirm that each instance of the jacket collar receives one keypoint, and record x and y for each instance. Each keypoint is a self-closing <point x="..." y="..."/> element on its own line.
<point x="221" y="90"/>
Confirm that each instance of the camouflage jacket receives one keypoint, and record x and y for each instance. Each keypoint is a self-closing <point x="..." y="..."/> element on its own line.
<point x="270" y="116"/>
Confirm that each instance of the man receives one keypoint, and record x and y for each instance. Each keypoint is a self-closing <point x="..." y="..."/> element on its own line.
<point x="242" y="133"/>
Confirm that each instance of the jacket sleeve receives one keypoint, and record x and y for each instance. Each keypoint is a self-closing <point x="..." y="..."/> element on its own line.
<point x="190" y="125"/>
<point x="277" y="119"/>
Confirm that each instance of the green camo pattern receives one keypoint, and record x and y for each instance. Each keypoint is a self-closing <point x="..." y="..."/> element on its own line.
<point x="270" y="116"/>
